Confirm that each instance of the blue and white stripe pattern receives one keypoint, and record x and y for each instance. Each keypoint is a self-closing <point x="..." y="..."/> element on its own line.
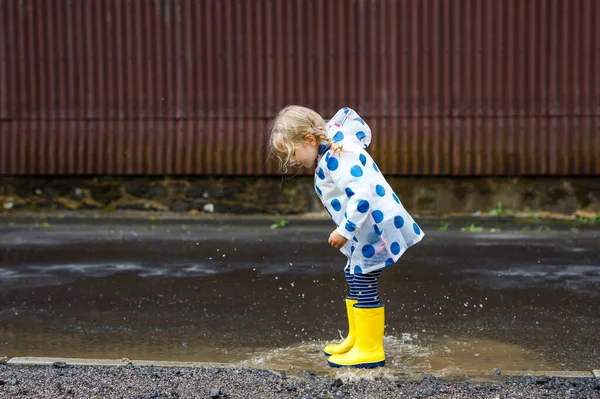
<point x="365" y="286"/>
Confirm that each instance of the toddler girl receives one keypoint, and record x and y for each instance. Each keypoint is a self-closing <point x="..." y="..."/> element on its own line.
<point x="373" y="228"/>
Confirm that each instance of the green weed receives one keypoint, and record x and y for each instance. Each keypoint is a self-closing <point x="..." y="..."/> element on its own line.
<point x="279" y="224"/>
<point x="499" y="210"/>
<point x="472" y="229"/>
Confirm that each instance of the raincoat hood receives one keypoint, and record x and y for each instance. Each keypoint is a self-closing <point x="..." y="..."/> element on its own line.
<point x="347" y="126"/>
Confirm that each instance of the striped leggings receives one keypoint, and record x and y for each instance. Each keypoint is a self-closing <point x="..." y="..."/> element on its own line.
<point x="363" y="287"/>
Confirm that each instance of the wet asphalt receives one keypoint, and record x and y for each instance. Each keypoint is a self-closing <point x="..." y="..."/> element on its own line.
<point x="249" y="294"/>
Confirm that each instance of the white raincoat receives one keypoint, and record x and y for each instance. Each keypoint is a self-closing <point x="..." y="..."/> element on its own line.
<point x="359" y="199"/>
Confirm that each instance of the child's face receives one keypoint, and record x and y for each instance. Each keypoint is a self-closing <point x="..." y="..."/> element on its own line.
<point x="305" y="153"/>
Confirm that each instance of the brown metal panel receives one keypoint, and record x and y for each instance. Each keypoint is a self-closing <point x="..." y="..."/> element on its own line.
<point x="500" y="154"/>
<point x="574" y="58"/>
<point x="577" y="148"/>
<point x="595" y="64"/>
<point x="418" y="147"/>
<point x="28" y="153"/>
<point x="8" y="52"/>
<point x="177" y="86"/>
<point x="20" y="91"/>
<point x="4" y="59"/>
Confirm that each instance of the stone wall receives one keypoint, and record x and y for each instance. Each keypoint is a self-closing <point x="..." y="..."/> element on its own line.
<point x="273" y="195"/>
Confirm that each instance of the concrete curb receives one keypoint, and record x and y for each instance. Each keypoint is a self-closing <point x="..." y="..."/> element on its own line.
<point x="50" y="361"/>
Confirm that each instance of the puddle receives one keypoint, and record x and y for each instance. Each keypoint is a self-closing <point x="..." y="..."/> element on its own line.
<point x="444" y="358"/>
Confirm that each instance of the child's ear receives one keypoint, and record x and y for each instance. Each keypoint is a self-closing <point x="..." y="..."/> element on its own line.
<point x="311" y="139"/>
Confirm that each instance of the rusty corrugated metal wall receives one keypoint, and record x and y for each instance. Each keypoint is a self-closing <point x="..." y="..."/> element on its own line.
<point x="450" y="87"/>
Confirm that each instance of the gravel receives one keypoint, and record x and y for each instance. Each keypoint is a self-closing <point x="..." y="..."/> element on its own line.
<point x="137" y="382"/>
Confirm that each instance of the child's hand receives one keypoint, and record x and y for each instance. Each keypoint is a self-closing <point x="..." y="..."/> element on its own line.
<point x="337" y="240"/>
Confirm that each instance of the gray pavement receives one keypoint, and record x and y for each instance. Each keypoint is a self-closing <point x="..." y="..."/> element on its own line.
<point x="256" y="297"/>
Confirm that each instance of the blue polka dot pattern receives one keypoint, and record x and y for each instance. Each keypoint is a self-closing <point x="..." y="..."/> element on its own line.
<point x="416" y="229"/>
<point x="357" y="269"/>
<point x="368" y="251"/>
<point x="377" y="216"/>
<point x="350" y="226"/>
<point x="332" y="164"/>
<point x="339" y="136"/>
<point x="335" y="204"/>
<point x="319" y="191"/>
<point x="360" y="120"/>
<point x="363" y="159"/>
<point x="327" y="156"/>
<point x="375" y="167"/>
<point x="363" y="206"/>
<point x="380" y="190"/>
<point x="389" y="262"/>
<point x="323" y="148"/>
<point x="349" y="192"/>
<point x="360" y="135"/>
<point x="395" y="248"/>
<point x="356" y="171"/>
<point x="346" y="110"/>
<point x="398" y="222"/>
<point x="396" y="198"/>
<point x="377" y="230"/>
<point x="321" y="173"/>
<point x="352" y="248"/>
<point x="355" y="239"/>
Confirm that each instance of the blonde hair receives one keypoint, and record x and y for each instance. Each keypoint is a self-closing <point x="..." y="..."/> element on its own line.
<point x="290" y="128"/>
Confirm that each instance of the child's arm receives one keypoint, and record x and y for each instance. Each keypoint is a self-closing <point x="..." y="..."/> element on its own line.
<point x="349" y="176"/>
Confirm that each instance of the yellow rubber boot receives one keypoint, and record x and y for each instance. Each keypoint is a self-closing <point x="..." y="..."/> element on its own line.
<point x="348" y="342"/>
<point x="367" y="351"/>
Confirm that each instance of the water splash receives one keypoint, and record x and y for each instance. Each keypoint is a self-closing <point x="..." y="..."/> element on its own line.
<point x="406" y="355"/>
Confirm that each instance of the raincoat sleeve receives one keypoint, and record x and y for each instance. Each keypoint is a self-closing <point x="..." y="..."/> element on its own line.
<point x="349" y="176"/>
